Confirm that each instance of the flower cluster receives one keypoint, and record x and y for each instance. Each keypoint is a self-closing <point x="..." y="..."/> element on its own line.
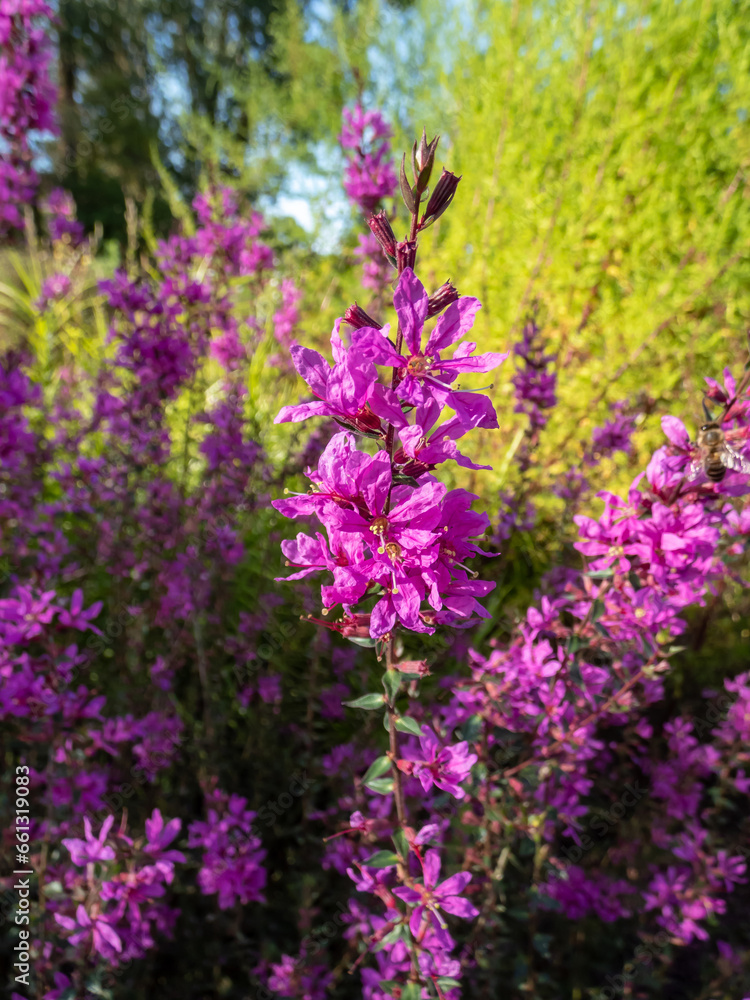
<point x="96" y="471"/>
<point x="534" y="381"/>
<point x="60" y="212"/>
<point x="27" y="98"/>
<point x="124" y="883"/>
<point x="285" y="321"/>
<point x="138" y="646"/>
<point x="408" y="541"/>
<point x="593" y="655"/>
<point x="396" y="544"/>
<point x="298" y="977"/>
<point x="370" y="176"/>
<point x="232" y="862"/>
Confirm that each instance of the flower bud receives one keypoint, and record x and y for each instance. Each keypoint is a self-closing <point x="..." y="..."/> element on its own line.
<point x="440" y="198"/>
<point x="406" y="254"/>
<point x="417" y="667"/>
<point x="351" y="627"/>
<point x="356" y="317"/>
<point x="423" y="159"/>
<point x="367" y="422"/>
<point x="441" y="299"/>
<point x="383" y="233"/>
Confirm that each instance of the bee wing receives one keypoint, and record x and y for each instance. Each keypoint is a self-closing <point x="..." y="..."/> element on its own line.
<point x="695" y="469"/>
<point x="734" y="460"/>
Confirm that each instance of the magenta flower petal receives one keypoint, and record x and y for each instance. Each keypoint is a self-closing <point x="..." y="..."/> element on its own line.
<point x="676" y="431"/>
<point x="108" y="934"/>
<point x="454" y="324"/>
<point x="301" y="411"/>
<point x="412" y="303"/>
<point x="474" y="409"/>
<point x="312" y="367"/>
<point x="415" y="921"/>
<point x="373" y="345"/>
<point x="454" y="885"/>
<point x="385" y="403"/>
<point x="472" y="362"/>
<point x="425" y="779"/>
<point x="383" y="618"/>
<point x="431" y="868"/>
<point x="459" y="907"/>
<point x="410" y="896"/>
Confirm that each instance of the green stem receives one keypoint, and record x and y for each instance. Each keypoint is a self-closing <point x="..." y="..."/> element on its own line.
<point x="398" y="790"/>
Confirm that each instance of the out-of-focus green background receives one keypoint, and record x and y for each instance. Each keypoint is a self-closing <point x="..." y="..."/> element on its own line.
<point x="604" y="150"/>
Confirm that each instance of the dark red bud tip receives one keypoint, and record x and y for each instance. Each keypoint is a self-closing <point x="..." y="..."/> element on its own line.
<point x="406" y="254"/>
<point x="441" y="299"/>
<point x="383" y="233"/>
<point x="356" y="316"/>
<point x="367" y="421"/>
<point x="440" y="199"/>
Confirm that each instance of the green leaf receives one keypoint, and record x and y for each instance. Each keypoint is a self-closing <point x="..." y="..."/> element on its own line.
<point x="472" y="728"/>
<point x="405" y="724"/>
<point x="367" y="701"/>
<point x="597" y="609"/>
<point x="381" y="786"/>
<point x="400" y="479"/>
<point x="411" y="991"/>
<point x="382" y="859"/>
<point x="394" y="935"/>
<point x="446" y="983"/>
<point x="576" y="642"/>
<point x="377" y="769"/>
<point x="392" y="684"/>
<point x="600" y="574"/>
<point x="401" y="844"/>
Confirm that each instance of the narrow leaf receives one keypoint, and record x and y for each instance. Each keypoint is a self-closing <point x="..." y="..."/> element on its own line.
<point x="382" y="859"/>
<point x="404" y="724"/>
<point x="392" y="684"/>
<point x="411" y="991"/>
<point x="381" y="786"/>
<point x="377" y="769"/>
<point x="401" y="844"/>
<point x="367" y="701"/>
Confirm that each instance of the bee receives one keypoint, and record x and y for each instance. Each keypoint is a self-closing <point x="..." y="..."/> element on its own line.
<point x="716" y="456"/>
